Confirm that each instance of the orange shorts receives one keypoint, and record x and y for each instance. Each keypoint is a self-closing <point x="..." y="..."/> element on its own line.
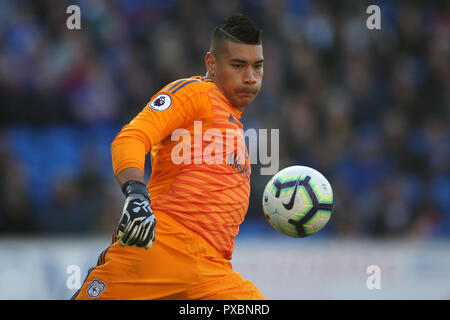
<point x="180" y="265"/>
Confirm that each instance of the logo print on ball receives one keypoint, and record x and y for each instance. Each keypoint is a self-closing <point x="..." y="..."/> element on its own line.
<point x="290" y="204"/>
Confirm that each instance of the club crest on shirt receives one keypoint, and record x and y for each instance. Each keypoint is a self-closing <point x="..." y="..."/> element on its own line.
<point x="96" y="287"/>
<point x="161" y="102"/>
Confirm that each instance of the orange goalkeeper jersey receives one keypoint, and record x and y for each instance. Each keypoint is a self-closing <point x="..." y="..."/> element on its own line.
<point x="200" y="164"/>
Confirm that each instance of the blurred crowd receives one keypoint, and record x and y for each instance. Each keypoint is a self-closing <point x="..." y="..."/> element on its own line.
<point x="367" y="108"/>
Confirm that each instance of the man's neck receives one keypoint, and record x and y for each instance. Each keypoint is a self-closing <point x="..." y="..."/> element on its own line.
<point x="223" y="92"/>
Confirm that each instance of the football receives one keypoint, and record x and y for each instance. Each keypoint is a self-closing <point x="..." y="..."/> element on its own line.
<point x="298" y="201"/>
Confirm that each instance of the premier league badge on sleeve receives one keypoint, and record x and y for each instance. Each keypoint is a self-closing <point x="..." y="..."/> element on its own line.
<point x="161" y="102"/>
<point x="96" y="287"/>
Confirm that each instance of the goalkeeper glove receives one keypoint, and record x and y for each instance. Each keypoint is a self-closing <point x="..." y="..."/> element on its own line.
<point x="137" y="223"/>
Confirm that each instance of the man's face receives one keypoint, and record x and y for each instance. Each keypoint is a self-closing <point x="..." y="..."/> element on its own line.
<point x="237" y="70"/>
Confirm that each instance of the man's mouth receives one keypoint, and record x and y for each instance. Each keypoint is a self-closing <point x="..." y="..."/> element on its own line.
<point x="247" y="92"/>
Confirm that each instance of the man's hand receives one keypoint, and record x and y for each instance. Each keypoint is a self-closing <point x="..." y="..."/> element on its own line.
<point x="137" y="224"/>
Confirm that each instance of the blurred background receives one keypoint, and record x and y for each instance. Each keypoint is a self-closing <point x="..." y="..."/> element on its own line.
<point x="369" y="109"/>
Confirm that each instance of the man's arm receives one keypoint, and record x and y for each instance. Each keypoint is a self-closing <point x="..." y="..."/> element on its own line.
<point x="134" y="142"/>
<point x="129" y="174"/>
<point x="137" y="223"/>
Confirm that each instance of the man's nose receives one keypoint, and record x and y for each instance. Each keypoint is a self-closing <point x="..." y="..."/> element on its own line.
<point x="249" y="77"/>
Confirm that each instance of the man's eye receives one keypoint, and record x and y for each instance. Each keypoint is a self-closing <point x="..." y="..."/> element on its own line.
<point x="237" y="66"/>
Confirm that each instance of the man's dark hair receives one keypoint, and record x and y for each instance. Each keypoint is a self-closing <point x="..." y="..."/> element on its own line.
<point x="237" y="28"/>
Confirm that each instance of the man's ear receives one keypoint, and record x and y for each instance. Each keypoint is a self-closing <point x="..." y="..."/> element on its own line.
<point x="210" y="62"/>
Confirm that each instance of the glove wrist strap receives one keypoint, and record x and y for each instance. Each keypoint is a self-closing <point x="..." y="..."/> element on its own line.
<point x="132" y="186"/>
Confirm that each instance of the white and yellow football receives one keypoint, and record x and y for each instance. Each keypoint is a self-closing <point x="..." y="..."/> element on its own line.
<point x="298" y="201"/>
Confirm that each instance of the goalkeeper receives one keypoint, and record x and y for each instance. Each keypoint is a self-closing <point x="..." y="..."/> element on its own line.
<point x="175" y="237"/>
